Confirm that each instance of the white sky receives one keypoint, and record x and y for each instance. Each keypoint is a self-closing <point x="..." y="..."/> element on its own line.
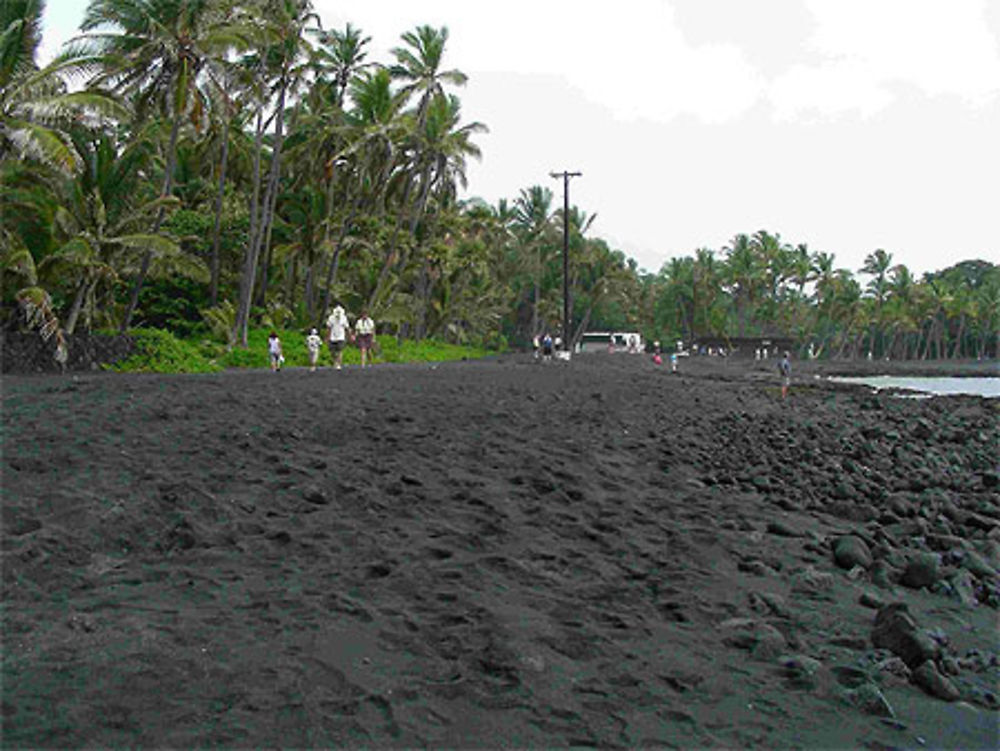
<point x="848" y="125"/>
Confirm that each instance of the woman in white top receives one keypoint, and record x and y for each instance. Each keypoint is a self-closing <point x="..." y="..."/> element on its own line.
<point x="364" y="327"/>
<point x="337" y="324"/>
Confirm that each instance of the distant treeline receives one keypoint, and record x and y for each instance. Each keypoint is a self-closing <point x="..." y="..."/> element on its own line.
<point x="208" y="167"/>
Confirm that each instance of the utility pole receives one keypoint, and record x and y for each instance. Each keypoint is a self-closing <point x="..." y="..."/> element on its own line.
<point x="565" y="178"/>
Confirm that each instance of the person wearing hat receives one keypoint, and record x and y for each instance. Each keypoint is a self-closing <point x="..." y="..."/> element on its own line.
<point x="313" y="344"/>
<point x="337" y="326"/>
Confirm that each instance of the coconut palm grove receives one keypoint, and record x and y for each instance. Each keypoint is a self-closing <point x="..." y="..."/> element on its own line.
<point x="215" y="168"/>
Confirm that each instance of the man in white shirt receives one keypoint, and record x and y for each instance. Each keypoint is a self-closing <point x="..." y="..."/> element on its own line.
<point x="337" y="324"/>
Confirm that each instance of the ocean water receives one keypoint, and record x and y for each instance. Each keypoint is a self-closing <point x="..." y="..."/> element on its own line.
<point x="929" y="386"/>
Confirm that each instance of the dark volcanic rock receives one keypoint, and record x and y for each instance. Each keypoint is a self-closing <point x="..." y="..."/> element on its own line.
<point x="850" y="551"/>
<point x="896" y="630"/>
<point x="977" y="565"/>
<point x="921" y="571"/>
<point x="933" y="683"/>
<point x="315" y="495"/>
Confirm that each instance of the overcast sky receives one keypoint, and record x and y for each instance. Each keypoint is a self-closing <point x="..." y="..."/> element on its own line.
<point x="848" y="125"/>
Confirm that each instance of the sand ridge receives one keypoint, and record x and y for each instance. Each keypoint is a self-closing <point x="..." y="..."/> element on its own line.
<point x="490" y="554"/>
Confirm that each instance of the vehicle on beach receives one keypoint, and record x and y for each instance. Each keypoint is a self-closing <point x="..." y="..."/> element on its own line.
<point x="612" y="341"/>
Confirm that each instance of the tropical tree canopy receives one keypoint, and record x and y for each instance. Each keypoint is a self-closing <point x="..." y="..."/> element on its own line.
<point x="209" y="165"/>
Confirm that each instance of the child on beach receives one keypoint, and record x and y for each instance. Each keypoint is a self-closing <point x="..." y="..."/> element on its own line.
<point x="313" y="343"/>
<point x="274" y="350"/>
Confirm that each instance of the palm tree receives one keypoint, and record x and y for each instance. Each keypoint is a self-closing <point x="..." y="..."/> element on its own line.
<point x="533" y="219"/>
<point x="676" y="304"/>
<point x="339" y="58"/>
<point x="35" y="107"/>
<point x="153" y="51"/>
<point x="877" y="264"/>
<point x="101" y="219"/>
<point x="418" y="65"/>
<point x="283" y="47"/>
<point x="447" y="144"/>
<point x="802" y="266"/>
<point x="744" y="272"/>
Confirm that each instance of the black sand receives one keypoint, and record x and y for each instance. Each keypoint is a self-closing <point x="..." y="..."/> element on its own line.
<point x="493" y="554"/>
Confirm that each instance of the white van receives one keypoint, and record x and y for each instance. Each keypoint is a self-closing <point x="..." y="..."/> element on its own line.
<point x="624" y="341"/>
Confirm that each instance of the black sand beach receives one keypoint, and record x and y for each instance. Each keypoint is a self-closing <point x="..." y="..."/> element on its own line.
<point x="497" y="554"/>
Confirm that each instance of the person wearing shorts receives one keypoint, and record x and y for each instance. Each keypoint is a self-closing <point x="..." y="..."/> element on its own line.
<point x="337" y="325"/>
<point x="785" y="368"/>
<point x="274" y="350"/>
<point x="364" y="328"/>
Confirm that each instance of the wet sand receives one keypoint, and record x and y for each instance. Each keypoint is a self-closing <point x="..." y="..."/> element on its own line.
<point x="496" y="554"/>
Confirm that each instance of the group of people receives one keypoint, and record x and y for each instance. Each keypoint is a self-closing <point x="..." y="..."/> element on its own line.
<point x="339" y="333"/>
<point x="543" y="346"/>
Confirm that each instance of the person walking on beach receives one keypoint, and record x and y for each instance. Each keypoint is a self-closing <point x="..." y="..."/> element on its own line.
<point x="364" y="328"/>
<point x="785" y="368"/>
<point x="313" y="344"/>
<point x="546" y="347"/>
<point x="536" y="344"/>
<point x="337" y="325"/>
<point x="274" y="350"/>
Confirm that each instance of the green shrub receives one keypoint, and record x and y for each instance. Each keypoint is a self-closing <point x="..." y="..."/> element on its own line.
<point x="293" y="345"/>
<point x="159" y="351"/>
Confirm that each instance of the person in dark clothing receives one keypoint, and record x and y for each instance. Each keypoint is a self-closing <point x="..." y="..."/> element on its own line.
<point x="785" y="368"/>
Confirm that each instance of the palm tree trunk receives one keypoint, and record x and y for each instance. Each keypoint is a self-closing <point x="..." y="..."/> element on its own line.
<point x="387" y="263"/>
<point x="74" y="312"/>
<point x="213" y="291"/>
<point x="578" y="334"/>
<point x="331" y="274"/>
<point x="250" y="268"/>
<point x="534" y="308"/>
<point x="309" y="294"/>
<point x="958" y="339"/>
<point x="168" y="186"/>
<point x="250" y="260"/>
<point x="267" y="254"/>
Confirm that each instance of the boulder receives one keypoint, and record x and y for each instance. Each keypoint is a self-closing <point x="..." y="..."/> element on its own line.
<point x="880" y="573"/>
<point x="896" y="630"/>
<point x="977" y="565"/>
<point x="315" y="495"/>
<point x="923" y="429"/>
<point x="933" y="683"/>
<point x="781" y="529"/>
<point x="922" y="570"/>
<point x="812" y="582"/>
<point x="762" y="640"/>
<point x="850" y="551"/>
<point x="800" y="670"/>
<point x="869" y="699"/>
<point x="964" y="588"/>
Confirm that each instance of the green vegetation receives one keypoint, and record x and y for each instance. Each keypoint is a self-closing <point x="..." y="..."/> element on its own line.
<point x="228" y="166"/>
<point x="161" y="352"/>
